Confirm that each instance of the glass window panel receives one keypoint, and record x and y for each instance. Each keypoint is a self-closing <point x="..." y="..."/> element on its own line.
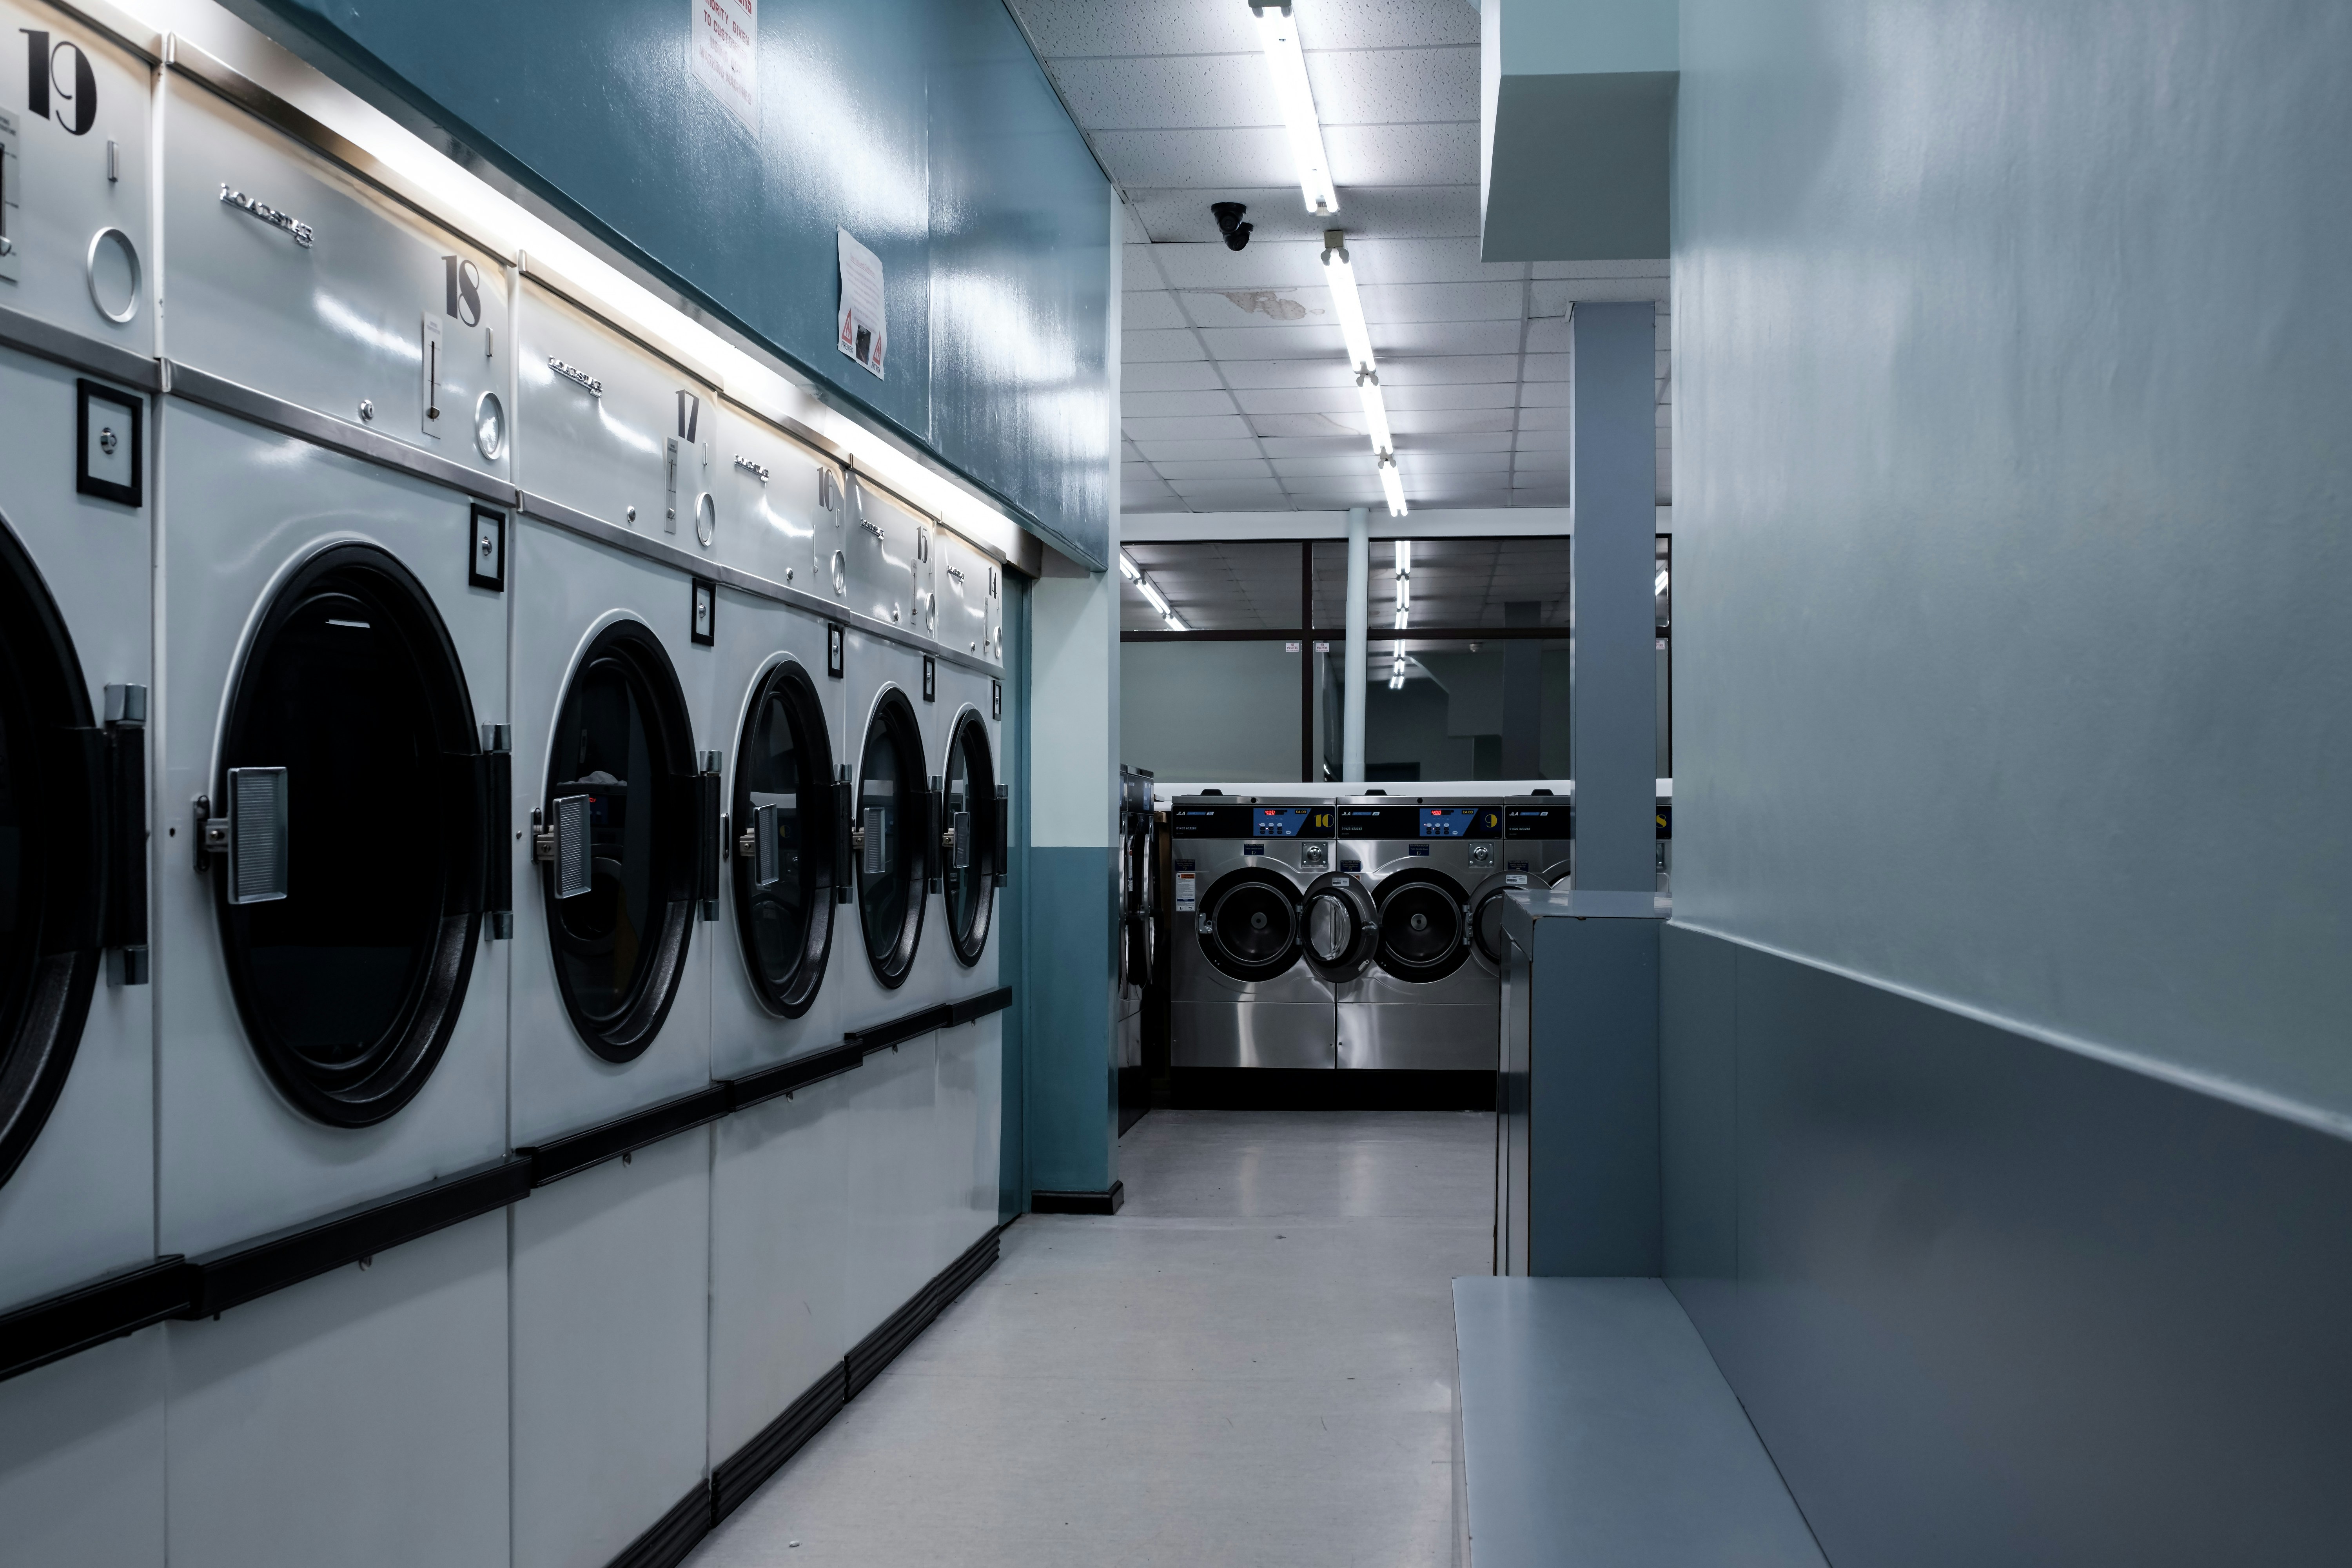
<point x="1204" y="712"/>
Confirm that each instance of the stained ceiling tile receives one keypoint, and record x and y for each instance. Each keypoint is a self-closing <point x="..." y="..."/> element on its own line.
<point x="1248" y="308"/>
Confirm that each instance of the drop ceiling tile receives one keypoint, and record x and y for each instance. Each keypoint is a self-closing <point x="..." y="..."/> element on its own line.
<point x="1301" y="446"/>
<point x="1141" y="311"/>
<point x="1197" y="451"/>
<point x="1550" y="466"/>
<point x="1452" y="338"/>
<point x="1454" y="463"/>
<point x="1401" y="154"/>
<point x="1338" y="497"/>
<point x="1322" y="372"/>
<point x="1449" y="421"/>
<point x="1463" y="441"/>
<point x="1439" y="370"/>
<point x="1392" y="87"/>
<point x="1387" y="24"/>
<point x="1202" y="159"/>
<point x="1547" y="416"/>
<point x="1093" y="28"/>
<point x="1131" y="229"/>
<point x="1473" y="395"/>
<point x="1541" y="441"/>
<point x="1311" y="426"/>
<point x="1328" y="466"/>
<point x="1444" y="260"/>
<point x="1400" y="302"/>
<point x="1266" y="264"/>
<point x="1167" y="376"/>
<point x="1267" y="492"/>
<point x="1133" y="406"/>
<point x="1217" y="427"/>
<point x="1250" y="308"/>
<point x="1302" y="340"/>
<point x="1539" y="495"/>
<point x="1142" y="348"/>
<point x="1548" y="335"/>
<point x="1338" y="400"/>
<point x="1547" y="395"/>
<point x="1136" y="269"/>
<point x="1233" y="468"/>
<point x="1550" y="366"/>
<point x="1149" y="93"/>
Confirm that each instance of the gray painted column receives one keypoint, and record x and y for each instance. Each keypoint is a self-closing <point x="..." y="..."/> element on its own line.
<point x="1613" y="707"/>
<point x="1522" y="695"/>
<point x="1351" y="689"/>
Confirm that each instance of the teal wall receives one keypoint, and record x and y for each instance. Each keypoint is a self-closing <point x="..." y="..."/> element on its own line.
<point x="923" y="127"/>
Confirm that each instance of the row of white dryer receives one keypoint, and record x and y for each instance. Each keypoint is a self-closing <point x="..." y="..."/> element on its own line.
<point x="446" y="746"/>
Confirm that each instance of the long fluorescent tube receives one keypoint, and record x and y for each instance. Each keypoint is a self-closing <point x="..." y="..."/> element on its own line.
<point x="1278" y="30"/>
<point x="1175" y="622"/>
<point x="1404" y="592"/>
<point x="1128" y="569"/>
<point x="1376" y="411"/>
<point x="1403" y="618"/>
<point x="1151" y="593"/>
<point x="1340" y="274"/>
<point x="1391" y="486"/>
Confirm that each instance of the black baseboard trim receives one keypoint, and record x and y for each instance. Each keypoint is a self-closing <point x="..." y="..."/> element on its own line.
<point x="734" y="1479"/>
<point x="1319" y="1089"/>
<point x="879" y="1349"/>
<point x="1110" y="1202"/>
<point x="1134" y="1096"/>
<point x="673" y="1535"/>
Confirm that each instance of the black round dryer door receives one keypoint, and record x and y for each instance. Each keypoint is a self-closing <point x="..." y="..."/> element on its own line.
<point x="1424" y="925"/>
<point x="1486" y="921"/>
<point x="51" y="854"/>
<point x="887" y="838"/>
<point x="969" y="853"/>
<point x="1249" y="925"/>
<point x="782" y="821"/>
<point x="622" y="800"/>
<point x="1342" y="926"/>
<point x="358" y="818"/>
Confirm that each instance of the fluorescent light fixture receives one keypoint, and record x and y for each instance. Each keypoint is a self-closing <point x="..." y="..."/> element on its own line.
<point x="1128" y="569"/>
<point x="1376" y="412"/>
<point x="1175" y="622"/>
<point x="1404" y="591"/>
<point x="1403" y="618"/>
<point x="1391" y="486"/>
<point x="1404" y="557"/>
<point x="1278" y="30"/>
<point x="1340" y="274"/>
<point x="1151" y="593"/>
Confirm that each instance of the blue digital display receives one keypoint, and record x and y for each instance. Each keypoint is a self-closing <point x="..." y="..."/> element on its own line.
<point x="1446" y="822"/>
<point x="1278" y="821"/>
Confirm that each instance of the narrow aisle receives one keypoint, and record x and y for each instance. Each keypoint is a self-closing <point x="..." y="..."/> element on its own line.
<point x="1253" y="1363"/>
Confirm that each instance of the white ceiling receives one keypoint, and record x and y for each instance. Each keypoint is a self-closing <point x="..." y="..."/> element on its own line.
<point x="1235" y="395"/>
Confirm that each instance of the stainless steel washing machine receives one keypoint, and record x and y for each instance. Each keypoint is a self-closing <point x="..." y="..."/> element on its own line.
<point x="1539" y="830"/>
<point x="1429" y="999"/>
<point x="1139" y="919"/>
<point x="1244" y="990"/>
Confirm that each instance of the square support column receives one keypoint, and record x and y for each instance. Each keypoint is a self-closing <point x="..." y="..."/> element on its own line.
<point x="1613" y="703"/>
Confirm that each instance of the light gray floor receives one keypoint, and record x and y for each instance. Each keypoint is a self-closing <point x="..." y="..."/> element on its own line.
<point x="1252" y="1363"/>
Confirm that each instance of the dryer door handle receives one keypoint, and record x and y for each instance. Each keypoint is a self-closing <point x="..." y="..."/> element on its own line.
<point x="709" y="829"/>
<point x="1001" y="851"/>
<point x="497" y="841"/>
<point x="845" y="806"/>
<point x="125" y="923"/>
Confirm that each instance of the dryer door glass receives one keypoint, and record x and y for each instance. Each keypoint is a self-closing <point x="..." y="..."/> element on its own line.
<point x="887" y="850"/>
<point x="1486" y="925"/>
<point x="967" y="855"/>
<point x="49" y="855"/>
<point x="1250" y="926"/>
<point x="624" y="745"/>
<point x="1421" y="927"/>
<point x="782" y="824"/>
<point x="350" y="888"/>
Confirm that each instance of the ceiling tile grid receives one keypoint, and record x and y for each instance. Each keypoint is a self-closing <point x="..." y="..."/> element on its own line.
<point x="1235" y="390"/>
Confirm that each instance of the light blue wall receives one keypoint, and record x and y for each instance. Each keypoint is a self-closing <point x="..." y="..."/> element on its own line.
<point x="2011" y="545"/>
<point x="923" y="127"/>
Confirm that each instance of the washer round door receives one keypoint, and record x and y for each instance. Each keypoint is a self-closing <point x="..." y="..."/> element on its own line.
<point x="969" y="854"/>
<point x="887" y="838"/>
<point x="51" y="854"/>
<point x="783" y="818"/>
<point x="1424" y="925"/>
<point x="359" y="828"/>
<point x="1343" y="927"/>
<point x="1486" y="938"/>
<point x="1249" y="925"/>
<point x="622" y="796"/>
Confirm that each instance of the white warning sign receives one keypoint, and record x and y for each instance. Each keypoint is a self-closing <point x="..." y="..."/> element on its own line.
<point x="862" y="337"/>
<point x="724" y="46"/>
